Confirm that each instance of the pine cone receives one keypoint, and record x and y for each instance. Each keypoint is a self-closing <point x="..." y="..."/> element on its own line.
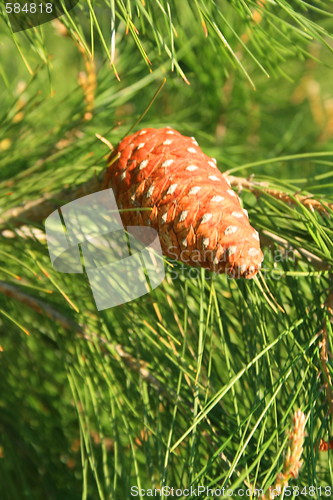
<point x="198" y="216"/>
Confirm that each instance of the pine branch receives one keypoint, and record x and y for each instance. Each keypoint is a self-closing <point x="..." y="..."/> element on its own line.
<point x="52" y="313"/>
<point x="36" y="211"/>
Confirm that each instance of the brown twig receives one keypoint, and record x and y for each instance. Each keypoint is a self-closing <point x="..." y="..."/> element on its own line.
<point x="325" y="356"/>
<point x="293" y="462"/>
<point x="258" y="187"/>
<point x="87" y="81"/>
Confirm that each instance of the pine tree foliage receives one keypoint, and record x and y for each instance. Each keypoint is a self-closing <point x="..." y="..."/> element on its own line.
<point x="197" y="382"/>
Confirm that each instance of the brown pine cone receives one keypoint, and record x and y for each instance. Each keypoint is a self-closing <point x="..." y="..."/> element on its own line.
<point x="198" y="216"/>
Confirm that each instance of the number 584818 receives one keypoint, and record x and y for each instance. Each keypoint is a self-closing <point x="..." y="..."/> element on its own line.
<point x="29" y="8"/>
